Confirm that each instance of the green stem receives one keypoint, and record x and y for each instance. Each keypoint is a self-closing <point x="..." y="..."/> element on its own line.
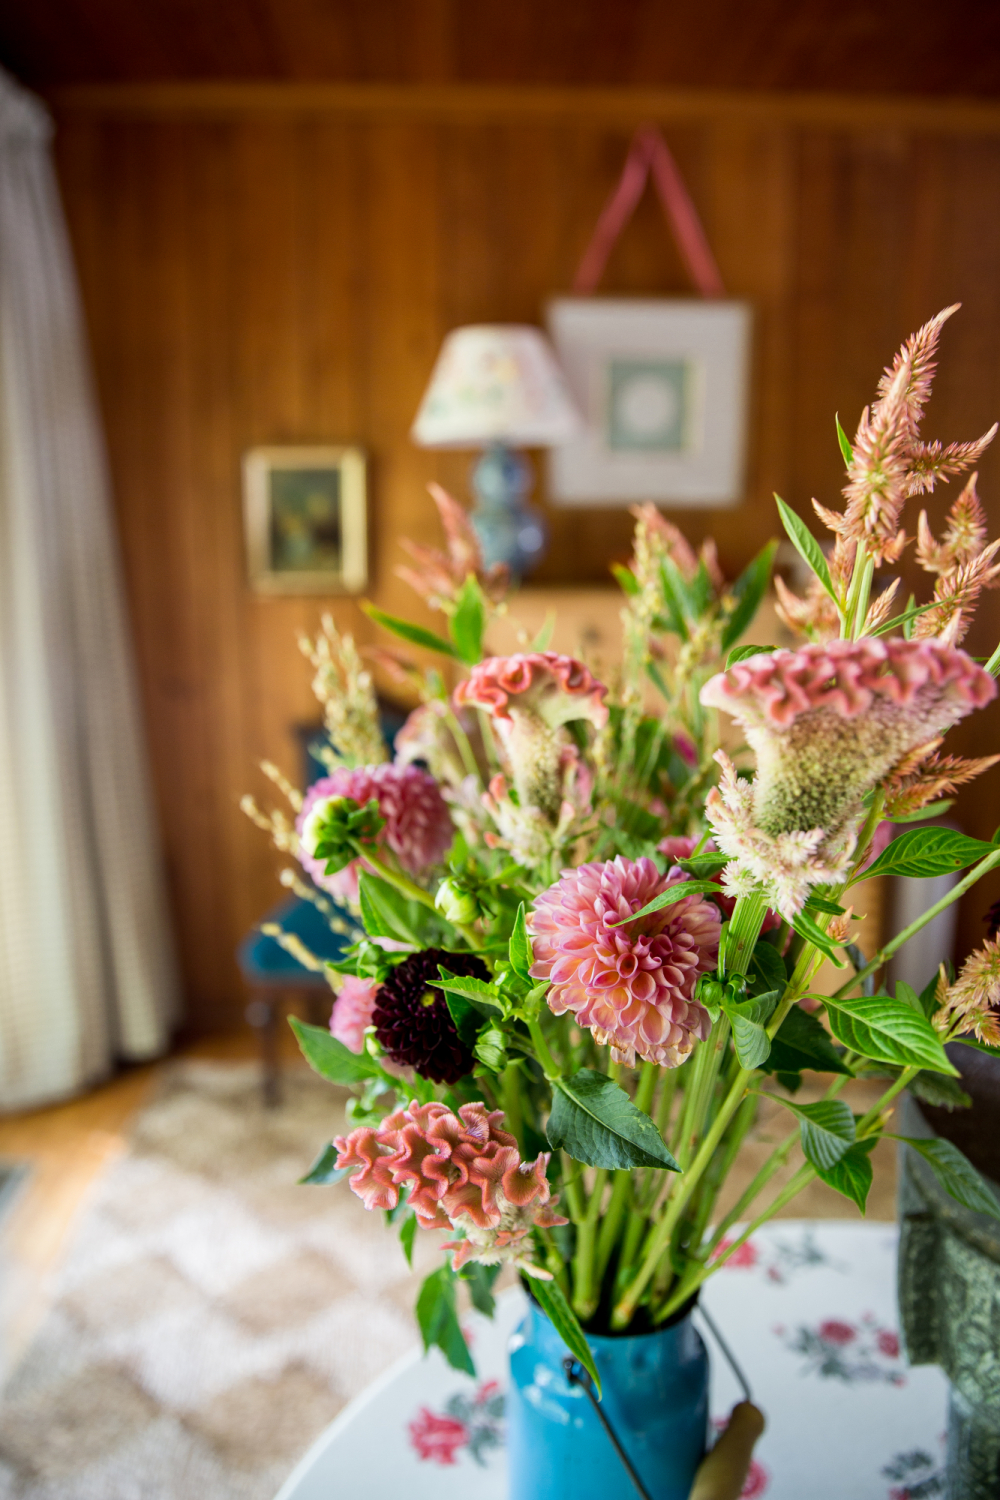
<point x="956" y="892"/>
<point x="585" y="1293"/>
<point x="621" y="1190"/>
<point x="993" y="665"/>
<point x="461" y="739"/>
<point x="548" y="1063"/>
<point x="777" y="1159"/>
<point x="511" y="1084"/>
<point x="413" y="892"/>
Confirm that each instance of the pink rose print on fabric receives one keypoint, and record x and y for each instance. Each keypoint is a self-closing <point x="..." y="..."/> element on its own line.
<point x="918" y="1476"/>
<point x="779" y="1260"/>
<point x="836" y="1349"/>
<point x="468" y="1422"/>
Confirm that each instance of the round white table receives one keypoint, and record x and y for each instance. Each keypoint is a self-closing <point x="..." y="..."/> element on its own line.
<point x="809" y="1310"/>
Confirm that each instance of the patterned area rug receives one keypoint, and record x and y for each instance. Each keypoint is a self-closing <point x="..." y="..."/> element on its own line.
<point x="212" y="1316"/>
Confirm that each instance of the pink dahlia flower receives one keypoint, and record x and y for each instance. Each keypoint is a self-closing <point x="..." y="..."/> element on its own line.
<point x="352" y="1011"/>
<point x="531" y="697"/>
<point x="829" y="721"/>
<point x="632" y="986"/>
<point x="463" y="1171"/>
<point x="418" y="828"/>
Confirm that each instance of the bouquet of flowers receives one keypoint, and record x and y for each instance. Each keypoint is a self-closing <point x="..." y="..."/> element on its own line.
<point x="582" y="937"/>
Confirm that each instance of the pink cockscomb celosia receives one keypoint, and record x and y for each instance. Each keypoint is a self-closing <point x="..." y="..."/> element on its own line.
<point x="418" y="828"/>
<point x="463" y="1171"/>
<point x="827" y="723"/>
<point x="352" y="1011"/>
<point x="632" y="986"/>
<point x="531" y="697"/>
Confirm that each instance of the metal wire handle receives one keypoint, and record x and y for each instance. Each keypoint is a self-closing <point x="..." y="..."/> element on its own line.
<point x="577" y="1375"/>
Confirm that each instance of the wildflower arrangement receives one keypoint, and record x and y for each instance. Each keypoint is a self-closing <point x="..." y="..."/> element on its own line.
<point x="582" y="938"/>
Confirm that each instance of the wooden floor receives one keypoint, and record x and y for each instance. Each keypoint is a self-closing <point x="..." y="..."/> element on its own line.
<point x="68" y="1146"/>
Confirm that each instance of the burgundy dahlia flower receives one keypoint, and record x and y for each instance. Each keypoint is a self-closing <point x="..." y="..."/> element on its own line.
<point x="412" y="1021"/>
<point x="418" y="828"/>
<point x="463" y="1172"/>
<point x="632" y="986"/>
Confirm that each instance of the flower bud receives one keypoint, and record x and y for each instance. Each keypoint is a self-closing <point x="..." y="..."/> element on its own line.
<point x="456" y="904"/>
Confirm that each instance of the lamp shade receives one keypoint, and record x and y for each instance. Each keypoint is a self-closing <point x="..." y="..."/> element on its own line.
<point x="496" y="382"/>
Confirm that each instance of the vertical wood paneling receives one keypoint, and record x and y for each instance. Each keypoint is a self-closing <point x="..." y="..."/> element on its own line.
<point x="287" y="277"/>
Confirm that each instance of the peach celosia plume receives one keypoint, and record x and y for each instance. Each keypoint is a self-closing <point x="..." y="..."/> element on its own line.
<point x="463" y="1172"/>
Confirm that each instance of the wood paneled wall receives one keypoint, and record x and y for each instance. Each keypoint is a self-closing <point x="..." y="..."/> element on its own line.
<point x="267" y="265"/>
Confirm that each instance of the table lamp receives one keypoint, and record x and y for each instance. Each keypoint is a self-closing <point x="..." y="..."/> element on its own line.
<point x="497" y="386"/>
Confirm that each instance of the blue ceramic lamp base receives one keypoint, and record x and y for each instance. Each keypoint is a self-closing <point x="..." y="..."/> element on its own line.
<point x="509" y="529"/>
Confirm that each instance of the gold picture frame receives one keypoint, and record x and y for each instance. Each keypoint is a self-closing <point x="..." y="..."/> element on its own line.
<point x="306" y="521"/>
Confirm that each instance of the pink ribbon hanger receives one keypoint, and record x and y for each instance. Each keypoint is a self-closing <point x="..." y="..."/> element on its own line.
<point x="650" y="152"/>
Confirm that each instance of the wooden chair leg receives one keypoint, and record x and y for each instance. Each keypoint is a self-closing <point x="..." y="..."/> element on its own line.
<point x="264" y="1015"/>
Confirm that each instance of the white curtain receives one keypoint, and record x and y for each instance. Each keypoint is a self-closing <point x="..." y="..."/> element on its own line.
<point x="86" y="966"/>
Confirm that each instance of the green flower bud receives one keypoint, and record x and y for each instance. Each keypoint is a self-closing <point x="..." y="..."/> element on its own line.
<point x="456" y="904"/>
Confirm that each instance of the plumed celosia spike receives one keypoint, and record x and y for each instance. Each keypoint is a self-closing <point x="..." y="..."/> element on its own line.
<point x="666" y="538"/>
<point x="556" y="688"/>
<point x="930" y="462"/>
<point x="463" y="1172"/>
<point x="916" y="359"/>
<point x="632" y="986"/>
<point x="439" y="576"/>
<point x="972" y="1003"/>
<point x="877" y="474"/>
<point x="955" y="595"/>
<point x="352" y="1011"/>
<point x="418" y="828"/>
<point x="828" y="723"/>
<point x="922" y="779"/>
<point x="815" y="616"/>
<point x="880" y="608"/>
<point x="964" y="536"/>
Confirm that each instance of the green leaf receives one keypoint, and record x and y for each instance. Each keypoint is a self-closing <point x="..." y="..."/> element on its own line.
<point x="703" y="866"/>
<point x="564" y="1320"/>
<point x="677" y="892"/>
<point x="478" y="991"/>
<point x="827" y="1130"/>
<point x="519" y="950"/>
<point x="922" y="814"/>
<point x="491" y="1048"/>
<point x="888" y="1031"/>
<point x="767" y="969"/>
<point x="852" y="1174"/>
<point x="806" y="546"/>
<point x="626" y="578"/>
<point x="469" y="621"/>
<point x="324" y="1169"/>
<point x="939" y="1091"/>
<point x="543" y="639"/>
<point x="847" y="452"/>
<point x="748" y="591"/>
<point x="748" y="1019"/>
<point x="813" y="933"/>
<point x="744" y="653"/>
<point x="466" y="1017"/>
<point x="415" y="634"/>
<point x="384" y="911"/>
<point x="480" y="1279"/>
<point x="956" y="1174"/>
<point x="597" y="1123"/>
<point x="802" y="1041"/>
<point x="330" y="1058"/>
<point x="924" y="852"/>
<point x="819" y="903"/>
<point x="437" y="1318"/>
<point x="407" y="1234"/>
<point x="674" y="597"/>
<point x="971" y="1041"/>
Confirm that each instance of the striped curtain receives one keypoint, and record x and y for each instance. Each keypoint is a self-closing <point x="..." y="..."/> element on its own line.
<point x="86" y="966"/>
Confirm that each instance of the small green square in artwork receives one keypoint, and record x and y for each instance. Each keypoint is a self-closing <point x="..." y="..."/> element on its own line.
<point x="648" y="403"/>
<point x="305" y="521"/>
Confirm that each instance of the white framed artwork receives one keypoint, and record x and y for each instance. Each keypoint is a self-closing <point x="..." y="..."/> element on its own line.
<point x="663" y="389"/>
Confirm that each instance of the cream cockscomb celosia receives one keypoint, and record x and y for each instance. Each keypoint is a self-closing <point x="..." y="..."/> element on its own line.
<point x="632" y="986"/>
<point x="531" y="697"/>
<point x="972" y="1003"/>
<point x="827" y="724"/>
<point x="462" y="1171"/>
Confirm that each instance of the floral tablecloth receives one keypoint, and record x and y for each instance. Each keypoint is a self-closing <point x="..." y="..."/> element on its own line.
<point x="809" y="1310"/>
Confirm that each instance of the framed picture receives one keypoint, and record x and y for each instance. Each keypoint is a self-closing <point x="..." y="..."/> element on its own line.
<point x="663" y="389"/>
<point x="305" y="516"/>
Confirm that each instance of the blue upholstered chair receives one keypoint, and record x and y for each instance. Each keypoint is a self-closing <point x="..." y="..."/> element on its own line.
<point x="273" y="977"/>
